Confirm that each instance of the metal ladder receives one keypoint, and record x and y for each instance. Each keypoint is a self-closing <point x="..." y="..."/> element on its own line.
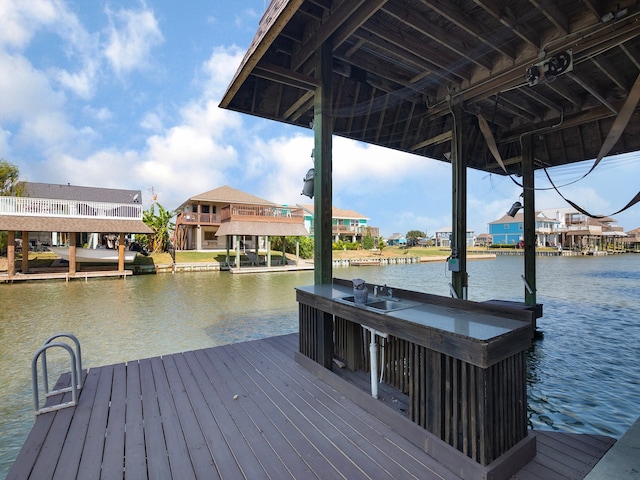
<point x="76" y="373"/>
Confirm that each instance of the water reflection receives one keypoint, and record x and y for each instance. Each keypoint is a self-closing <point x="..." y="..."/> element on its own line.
<point x="582" y="376"/>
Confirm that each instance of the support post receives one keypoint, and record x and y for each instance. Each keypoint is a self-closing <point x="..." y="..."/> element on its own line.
<point x="268" y="251"/>
<point x="72" y="253"/>
<point x="459" y="278"/>
<point x="228" y="245"/>
<point x="121" y="252"/>
<point x="322" y="125"/>
<point x="199" y="228"/>
<point x="237" y="240"/>
<point x="284" y="250"/>
<point x="529" y="220"/>
<point x="11" y="253"/>
<point x="25" y="252"/>
<point x="257" y="250"/>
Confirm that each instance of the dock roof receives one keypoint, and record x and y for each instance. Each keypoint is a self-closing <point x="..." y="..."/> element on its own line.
<point x="399" y="65"/>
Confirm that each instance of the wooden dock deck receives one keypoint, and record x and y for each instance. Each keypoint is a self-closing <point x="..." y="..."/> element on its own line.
<point x="66" y="276"/>
<point x="246" y="410"/>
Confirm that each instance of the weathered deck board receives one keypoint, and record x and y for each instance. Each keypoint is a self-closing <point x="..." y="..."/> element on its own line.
<point x="135" y="457"/>
<point x="242" y="411"/>
<point x="353" y="424"/>
<point x="67" y="466"/>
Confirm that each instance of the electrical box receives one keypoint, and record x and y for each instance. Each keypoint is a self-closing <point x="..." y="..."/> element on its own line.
<point x="454" y="265"/>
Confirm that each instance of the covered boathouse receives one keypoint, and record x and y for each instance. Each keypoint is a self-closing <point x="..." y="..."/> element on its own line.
<point x="61" y="214"/>
<point x="504" y="87"/>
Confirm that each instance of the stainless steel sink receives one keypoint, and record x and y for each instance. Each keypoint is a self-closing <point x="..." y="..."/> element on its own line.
<point x="381" y="304"/>
<point x="386" y="305"/>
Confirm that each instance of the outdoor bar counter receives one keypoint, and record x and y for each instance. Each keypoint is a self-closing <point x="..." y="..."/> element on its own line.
<point x="460" y="364"/>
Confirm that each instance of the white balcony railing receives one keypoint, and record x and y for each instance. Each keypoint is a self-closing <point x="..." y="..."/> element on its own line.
<point x="46" y="207"/>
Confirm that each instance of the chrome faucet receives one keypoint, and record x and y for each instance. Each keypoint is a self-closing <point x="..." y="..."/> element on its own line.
<point x="387" y="290"/>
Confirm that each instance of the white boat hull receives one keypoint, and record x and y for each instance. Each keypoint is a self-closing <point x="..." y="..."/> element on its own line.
<point x="102" y="255"/>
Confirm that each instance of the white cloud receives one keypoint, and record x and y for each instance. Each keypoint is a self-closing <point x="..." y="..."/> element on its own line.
<point x="219" y="69"/>
<point x="132" y="36"/>
<point x="101" y="114"/>
<point x="20" y="20"/>
<point x="25" y="91"/>
<point x="152" y="121"/>
<point x="5" y="148"/>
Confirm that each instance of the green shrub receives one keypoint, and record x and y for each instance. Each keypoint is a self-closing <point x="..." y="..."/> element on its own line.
<point x="305" y="248"/>
<point x="367" y="242"/>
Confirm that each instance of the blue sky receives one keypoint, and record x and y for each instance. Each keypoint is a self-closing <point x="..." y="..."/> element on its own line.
<point x="125" y="94"/>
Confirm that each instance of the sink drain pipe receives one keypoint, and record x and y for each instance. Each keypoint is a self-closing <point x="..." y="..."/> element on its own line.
<point x="373" y="358"/>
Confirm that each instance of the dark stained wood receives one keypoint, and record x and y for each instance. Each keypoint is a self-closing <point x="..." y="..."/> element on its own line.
<point x="244" y="411"/>
<point x="81" y="427"/>
<point x="134" y="453"/>
<point x="487" y="375"/>
<point x="399" y="65"/>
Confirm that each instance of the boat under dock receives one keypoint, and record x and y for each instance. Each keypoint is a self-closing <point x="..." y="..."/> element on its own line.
<point x="245" y="410"/>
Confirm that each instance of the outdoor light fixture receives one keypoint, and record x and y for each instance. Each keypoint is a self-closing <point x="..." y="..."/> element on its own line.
<point x="307" y="188"/>
<point x="514" y="209"/>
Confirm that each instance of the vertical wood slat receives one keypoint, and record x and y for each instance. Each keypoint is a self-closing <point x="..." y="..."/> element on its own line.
<point x="480" y="412"/>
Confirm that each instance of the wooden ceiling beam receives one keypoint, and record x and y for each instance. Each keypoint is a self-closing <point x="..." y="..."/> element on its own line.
<point x="569" y="121"/>
<point x="633" y="54"/>
<point x="355" y="11"/>
<point x="471" y="26"/>
<point x="300" y="106"/>
<point x="505" y="15"/>
<point x="433" y="59"/>
<point x="537" y="97"/>
<point x="553" y="14"/>
<point x="513" y="77"/>
<point x="436" y="34"/>
<point x="278" y="74"/>
<point x="411" y="59"/>
<point x="442" y="138"/>
<point x="407" y="123"/>
<point x="612" y="72"/>
<point x="516" y="109"/>
<point x="593" y="90"/>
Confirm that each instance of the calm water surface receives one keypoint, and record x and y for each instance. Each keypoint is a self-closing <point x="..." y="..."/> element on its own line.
<point x="583" y="376"/>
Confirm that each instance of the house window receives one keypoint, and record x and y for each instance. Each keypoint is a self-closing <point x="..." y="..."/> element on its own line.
<point x="204" y="208"/>
<point x="506" y="226"/>
<point x="208" y="236"/>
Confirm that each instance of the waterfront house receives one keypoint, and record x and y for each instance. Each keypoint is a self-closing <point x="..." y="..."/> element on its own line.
<point x="509" y="230"/>
<point x="69" y="215"/>
<point x="576" y="230"/>
<point x="442" y="237"/>
<point x="396" y="239"/>
<point x="483" y="240"/>
<point x="632" y="240"/>
<point x="247" y="218"/>
<point x="346" y="225"/>
<point x="585" y="233"/>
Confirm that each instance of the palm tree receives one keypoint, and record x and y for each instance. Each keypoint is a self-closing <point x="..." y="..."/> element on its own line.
<point x="162" y="226"/>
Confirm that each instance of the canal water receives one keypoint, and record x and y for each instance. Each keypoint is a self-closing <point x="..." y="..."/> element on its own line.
<point x="583" y="376"/>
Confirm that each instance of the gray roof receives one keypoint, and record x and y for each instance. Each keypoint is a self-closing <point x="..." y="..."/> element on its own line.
<point x="74" y="192"/>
